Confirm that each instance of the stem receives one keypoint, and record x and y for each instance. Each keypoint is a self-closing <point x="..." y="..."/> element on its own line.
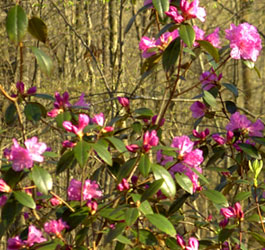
<point x="63" y="201"/>
<point x="258" y="208"/>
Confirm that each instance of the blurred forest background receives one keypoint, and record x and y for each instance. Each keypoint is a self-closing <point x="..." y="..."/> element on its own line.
<point x="92" y="54"/>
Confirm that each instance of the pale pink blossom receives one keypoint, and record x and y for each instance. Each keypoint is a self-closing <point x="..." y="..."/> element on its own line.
<point x="34" y="236"/>
<point x="83" y="121"/>
<point x="150" y="139"/>
<point x="192" y="10"/>
<point x="4" y="187"/>
<point x="193" y="244"/>
<point x="245" y="41"/>
<point x="99" y="119"/>
<point x="198" y="109"/>
<point x="55" y="227"/>
<point x="183" y="144"/>
<point x="245" y="126"/>
<point x="214" y="38"/>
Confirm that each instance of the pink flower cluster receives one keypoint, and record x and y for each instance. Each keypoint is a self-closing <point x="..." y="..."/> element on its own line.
<point x="34" y="236"/>
<point x="24" y="157"/>
<point x="192" y="245"/>
<point x="188" y="11"/>
<point x="212" y="38"/>
<point x="245" y="41"/>
<point x="188" y="158"/>
<point x="231" y="212"/>
<point x="243" y="125"/>
<point x="200" y="135"/>
<point x="4" y="187"/>
<point x="198" y="109"/>
<point x="90" y="191"/>
<point x="209" y="79"/>
<point x="55" y="227"/>
<point x="124" y="185"/>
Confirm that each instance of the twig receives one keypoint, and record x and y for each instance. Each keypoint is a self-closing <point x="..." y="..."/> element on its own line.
<point x="63" y="201"/>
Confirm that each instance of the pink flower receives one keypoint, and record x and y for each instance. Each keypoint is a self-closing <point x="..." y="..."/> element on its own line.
<point x="223" y="223"/>
<point x="202" y="135"/>
<point x="221" y="140"/>
<point x="60" y="104"/>
<point x="181" y="242"/>
<point x="174" y="14"/>
<point x="183" y="144"/>
<point x="245" y="41"/>
<point x="193" y="244"/>
<point x="241" y="123"/>
<point x="55" y="202"/>
<point x="34" y="236"/>
<point x="214" y="39"/>
<point x="199" y="35"/>
<point x="83" y="121"/>
<point x="23" y="158"/>
<point x="209" y="79"/>
<point x="132" y="148"/>
<point x="3" y="200"/>
<point x="4" y="187"/>
<point x="154" y="121"/>
<point x="149" y="139"/>
<point x="93" y="206"/>
<point x="124" y="185"/>
<point x="227" y="212"/>
<point x="90" y="190"/>
<point x="198" y="109"/>
<point x="82" y="103"/>
<point x="55" y="227"/>
<point x="99" y="119"/>
<point x="14" y="243"/>
<point x="124" y="101"/>
<point x="21" y="90"/>
<point x="193" y="158"/>
<point x="68" y="144"/>
<point x="192" y="10"/>
<point x="238" y="211"/>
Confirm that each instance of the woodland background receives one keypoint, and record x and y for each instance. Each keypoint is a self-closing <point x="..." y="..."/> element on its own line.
<point x="77" y="28"/>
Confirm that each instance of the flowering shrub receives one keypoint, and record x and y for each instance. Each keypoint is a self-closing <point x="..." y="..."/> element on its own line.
<point x="152" y="182"/>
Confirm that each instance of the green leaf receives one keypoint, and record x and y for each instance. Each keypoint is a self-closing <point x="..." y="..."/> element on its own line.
<point x="168" y="188"/>
<point x="216" y="197"/>
<point x="249" y="64"/>
<point x="162" y="223"/>
<point x="131" y="215"/>
<point x="44" y="61"/>
<point x="232" y="88"/>
<point x="258" y="72"/>
<point x="146" y="237"/>
<point x="24" y="199"/>
<point x="122" y="239"/>
<point x="38" y="29"/>
<point x="185" y="182"/>
<point x="152" y="189"/>
<point x="144" y="207"/>
<point x="65" y="116"/>
<point x="49" y="245"/>
<point x="81" y="152"/>
<point x="42" y="179"/>
<point x="144" y="113"/>
<point x="16" y="24"/>
<point x="249" y="150"/>
<point x="161" y="6"/>
<point x="76" y="218"/>
<point x="112" y="214"/>
<point x="81" y="235"/>
<point x="144" y="165"/>
<point x="34" y="111"/>
<point x="242" y="196"/>
<point x="218" y="153"/>
<point x="117" y="143"/>
<point x="200" y="175"/>
<point x="187" y="34"/>
<point x="170" y="55"/>
<point x="210" y="49"/>
<point x="150" y="63"/>
<point x="103" y="153"/>
<point x="10" y="114"/>
<point x="225" y="234"/>
<point x="45" y="96"/>
<point x="126" y="168"/>
<point x="172" y="243"/>
<point x="113" y="233"/>
<point x="137" y="127"/>
<point x="67" y="160"/>
<point x="260" y="239"/>
<point x="259" y="140"/>
<point x="209" y="98"/>
<point x="177" y="204"/>
<point x="231" y="107"/>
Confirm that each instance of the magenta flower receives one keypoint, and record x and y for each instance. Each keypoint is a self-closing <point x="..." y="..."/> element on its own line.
<point x="55" y="227"/>
<point x="3" y="200"/>
<point x="82" y="103"/>
<point x="198" y="109"/>
<point x="21" y="90"/>
<point x="150" y="139"/>
<point x="34" y="236"/>
<point x="24" y="157"/>
<point x="14" y="243"/>
<point x="181" y="242"/>
<point x="223" y="223"/>
<point x="193" y="244"/>
<point x="124" y="102"/>
<point x="200" y="135"/>
<point x="146" y="44"/>
<point x="241" y="123"/>
<point x="83" y="121"/>
<point x="132" y="148"/>
<point x="174" y="14"/>
<point x="68" y="144"/>
<point x="227" y="212"/>
<point x="124" y="185"/>
<point x="154" y="121"/>
<point x="238" y="211"/>
<point x="4" y="187"/>
<point x="90" y="190"/>
<point x="99" y="119"/>
<point x="245" y="41"/>
<point x="55" y="202"/>
<point x="209" y="79"/>
<point x="192" y="10"/>
<point x="221" y="140"/>
<point x="60" y="104"/>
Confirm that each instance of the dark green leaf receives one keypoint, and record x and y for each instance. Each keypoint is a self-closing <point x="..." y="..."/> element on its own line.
<point x="210" y="49"/>
<point x="232" y="88"/>
<point x="200" y="175"/>
<point x="113" y="233"/>
<point x="259" y="140"/>
<point x="33" y="111"/>
<point x="65" y="116"/>
<point x="170" y="55"/>
<point x="172" y="243"/>
<point x="216" y="197"/>
<point x="81" y="235"/>
<point x="184" y="182"/>
<point x="218" y="153"/>
<point x="42" y="179"/>
<point x="231" y="107"/>
<point x="24" y="199"/>
<point x="81" y="152"/>
<point x="103" y="153"/>
<point x="49" y="245"/>
<point x="168" y="188"/>
<point x="44" y="61"/>
<point x="146" y="237"/>
<point x="152" y="189"/>
<point x="162" y="223"/>
<point x="249" y="150"/>
<point x="38" y="29"/>
<point x="112" y="214"/>
<point x="225" y="234"/>
<point x="45" y="96"/>
<point x="67" y="160"/>
<point x="16" y="24"/>
<point x="258" y="72"/>
<point x="117" y="143"/>
<point x="10" y="114"/>
<point x="126" y="169"/>
<point x="242" y="196"/>
<point x="260" y="239"/>
<point x="150" y="63"/>
<point x="76" y="218"/>
<point x="144" y="112"/>
<point x="177" y="204"/>
<point x="144" y="165"/>
<point x="137" y="127"/>
<point x="161" y="6"/>
<point x="209" y="98"/>
<point x="187" y="34"/>
<point x="131" y="215"/>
